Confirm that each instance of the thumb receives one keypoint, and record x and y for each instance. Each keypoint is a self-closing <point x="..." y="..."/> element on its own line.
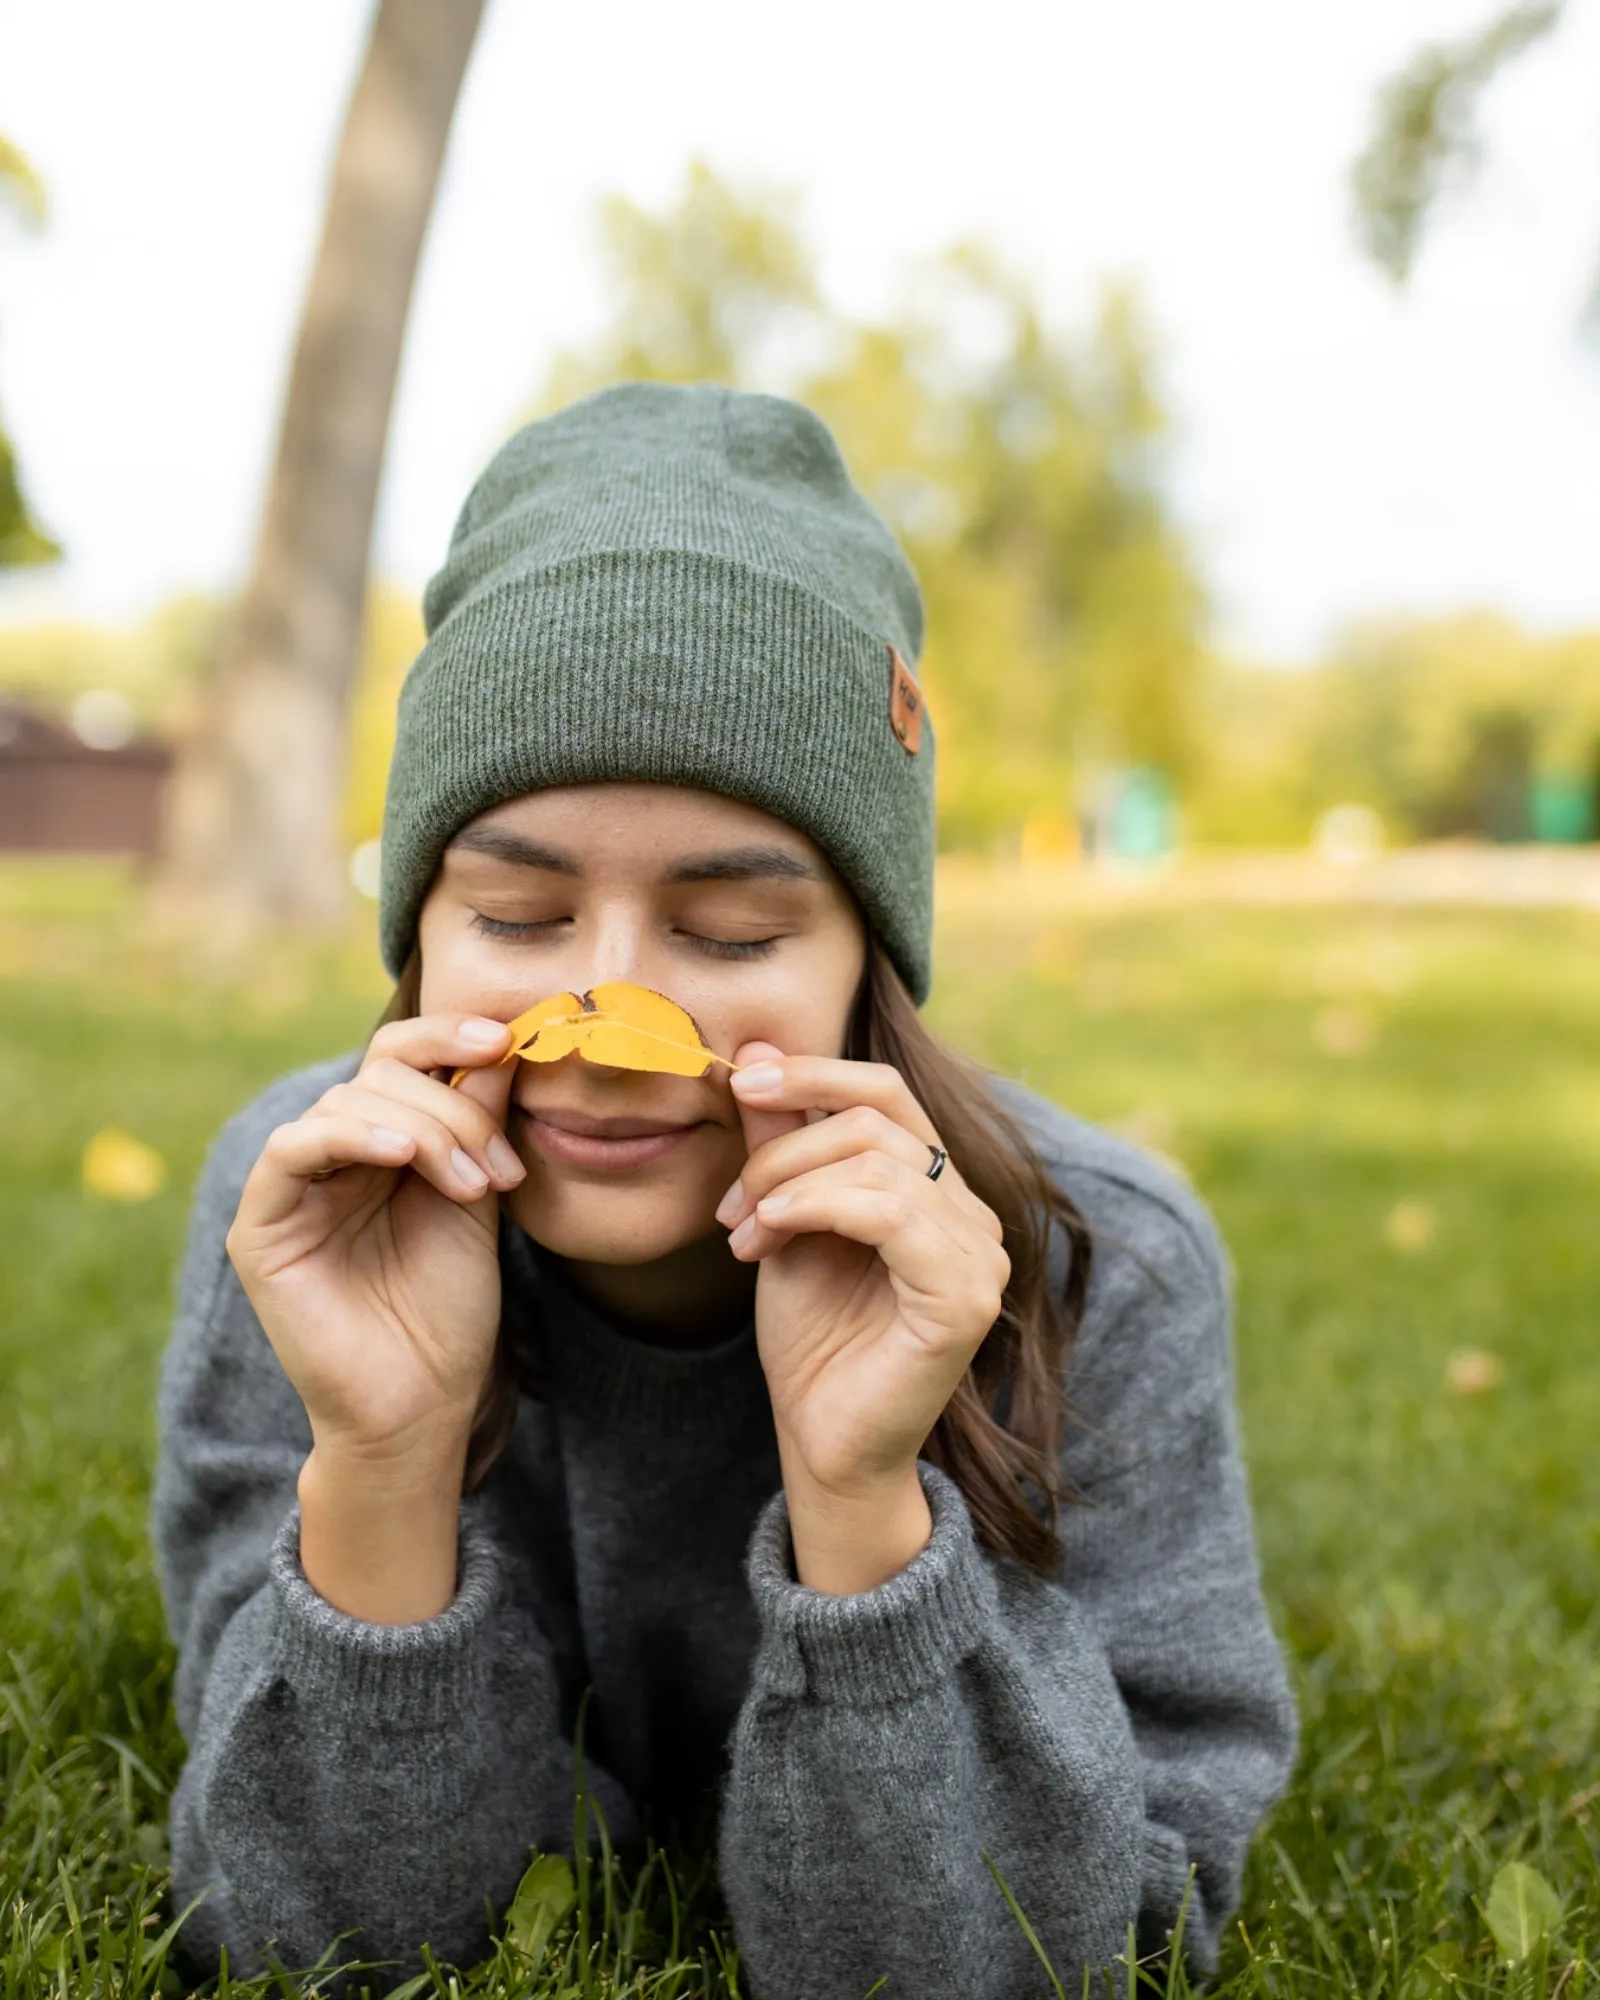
<point x="759" y="1125"/>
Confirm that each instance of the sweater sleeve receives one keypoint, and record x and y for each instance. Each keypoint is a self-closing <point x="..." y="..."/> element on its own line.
<point x="1093" y="1734"/>
<point x="379" y="1783"/>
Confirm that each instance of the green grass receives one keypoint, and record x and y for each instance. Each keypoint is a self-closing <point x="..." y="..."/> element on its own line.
<point x="1432" y="1556"/>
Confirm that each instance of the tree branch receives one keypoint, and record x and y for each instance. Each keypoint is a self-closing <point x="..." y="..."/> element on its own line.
<point x="1426" y="139"/>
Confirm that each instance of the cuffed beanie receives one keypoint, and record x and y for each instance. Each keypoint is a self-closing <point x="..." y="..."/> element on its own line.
<point x="677" y="583"/>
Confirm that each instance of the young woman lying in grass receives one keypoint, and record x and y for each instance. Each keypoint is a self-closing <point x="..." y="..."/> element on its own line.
<point x="850" y="1432"/>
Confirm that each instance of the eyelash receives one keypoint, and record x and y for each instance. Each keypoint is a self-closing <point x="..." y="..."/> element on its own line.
<point x="497" y="927"/>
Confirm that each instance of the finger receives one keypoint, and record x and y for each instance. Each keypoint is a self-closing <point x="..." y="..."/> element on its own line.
<point x="299" y="1152"/>
<point x="829" y="1083"/>
<point x="761" y="1123"/>
<point x="477" y="1130"/>
<point x="448" y="1041"/>
<point x="959" y="1273"/>
<point x="438" y="1155"/>
<point x="861" y="1129"/>
<point x="772" y="1219"/>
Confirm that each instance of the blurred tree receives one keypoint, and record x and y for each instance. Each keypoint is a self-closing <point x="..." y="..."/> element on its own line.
<point x="254" y="823"/>
<point x="697" y="294"/>
<point x="22" y="541"/>
<point x="1425" y="142"/>
<point x="1463" y="725"/>
<point x="1025" y="480"/>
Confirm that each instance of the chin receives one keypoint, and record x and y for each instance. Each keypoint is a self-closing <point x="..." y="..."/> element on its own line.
<point x="629" y="1231"/>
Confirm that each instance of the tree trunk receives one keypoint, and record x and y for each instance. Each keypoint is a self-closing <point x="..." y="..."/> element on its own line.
<point x="252" y="830"/>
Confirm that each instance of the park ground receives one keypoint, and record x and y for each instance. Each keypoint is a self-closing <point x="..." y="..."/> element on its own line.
<point x="1394" y="1112"/>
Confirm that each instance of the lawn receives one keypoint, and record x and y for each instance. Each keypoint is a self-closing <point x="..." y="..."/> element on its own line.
<point x="1396" y="1118"/>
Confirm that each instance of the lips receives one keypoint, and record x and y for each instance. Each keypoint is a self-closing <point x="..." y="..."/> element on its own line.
<point x="606" y="1145"/>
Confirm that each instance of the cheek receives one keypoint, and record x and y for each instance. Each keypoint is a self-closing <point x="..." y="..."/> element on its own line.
<point x="802" y="1008"/>
<point x="461" y="973"/>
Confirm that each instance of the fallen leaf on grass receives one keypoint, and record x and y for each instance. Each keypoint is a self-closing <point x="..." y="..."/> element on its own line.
<point x="1470" y="1372"/>
<point x="119" y="1167"/>
<point x="544" y="1897"/>
<point x="1410" y="1226"/>
<point x="1522" y="1908"/>
<point x="618" y="1024"/>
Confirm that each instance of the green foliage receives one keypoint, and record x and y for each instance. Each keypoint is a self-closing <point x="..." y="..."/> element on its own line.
<point x="1430" y="1550"/>
<point x="1446" y="726"/>
<point x="696" y="292"/>
<point x="1024" y="473"/>
<point x="23" y="543"/>
<point x="544" y="1899"/>
<point x="1425" y="142"/>
<point x="1522" y="1911"/>
<point x="20" y="187"/>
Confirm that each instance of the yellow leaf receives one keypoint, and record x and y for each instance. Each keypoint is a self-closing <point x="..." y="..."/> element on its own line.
<point x="618" y="1024"/>
<point x="526" y="1025"/>
<point x="560" y="1006"/>
<point x="1411" y="1226"/>
<point x="118" y="1167"/>
<point x="1472" y="1372"/>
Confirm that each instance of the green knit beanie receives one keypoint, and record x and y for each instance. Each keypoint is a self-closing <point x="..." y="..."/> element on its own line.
<point x="678" y="583"/>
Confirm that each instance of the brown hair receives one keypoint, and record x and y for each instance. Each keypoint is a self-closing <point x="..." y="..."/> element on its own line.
<point x="1038" y="1323"/>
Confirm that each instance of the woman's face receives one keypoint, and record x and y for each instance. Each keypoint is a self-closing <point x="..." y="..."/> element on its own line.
<point x="721" y="907"/>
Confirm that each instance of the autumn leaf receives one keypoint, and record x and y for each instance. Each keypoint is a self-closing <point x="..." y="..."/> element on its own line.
<point x="118" y="1167"/>
<point x="618" y="1024"/>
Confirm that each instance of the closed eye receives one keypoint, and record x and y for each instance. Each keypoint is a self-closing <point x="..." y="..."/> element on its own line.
<point x="725" y="948"/>
<point x="498" y="927"/>
<point x="731" y="947"/>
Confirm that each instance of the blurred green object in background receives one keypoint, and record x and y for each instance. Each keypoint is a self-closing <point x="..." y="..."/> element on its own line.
<point x="1563" y="808"/>
<point x="1145" y="824"/>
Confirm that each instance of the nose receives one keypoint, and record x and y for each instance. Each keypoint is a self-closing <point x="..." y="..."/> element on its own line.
<point x="617" y="943"/>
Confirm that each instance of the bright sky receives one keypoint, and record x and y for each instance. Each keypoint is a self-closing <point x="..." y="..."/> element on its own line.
<point x="1345" y="449"/>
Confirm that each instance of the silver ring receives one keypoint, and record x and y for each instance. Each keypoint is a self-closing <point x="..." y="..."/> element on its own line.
<point x="940" y="1156"/>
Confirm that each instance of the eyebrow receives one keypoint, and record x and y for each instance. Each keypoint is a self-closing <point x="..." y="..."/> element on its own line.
<point x="743" y="864"/>
<point x="731" y="864"/>
<point x="515" y="848"/>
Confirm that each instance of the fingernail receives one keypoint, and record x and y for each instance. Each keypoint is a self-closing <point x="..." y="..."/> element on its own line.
<point x="772" y="1204"/>
<point x="503" y="1158"/>
<point x="740" y="1239"/>
<point x="389" y="1139"/>
<point x="758" y="1080"/>
<point x="466" y="1170"/>
<point x="482" y="1033"/>
<point x="731" y="1203"/>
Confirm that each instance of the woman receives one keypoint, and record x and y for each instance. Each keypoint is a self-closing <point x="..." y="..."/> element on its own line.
<point x="856" y="1430"/>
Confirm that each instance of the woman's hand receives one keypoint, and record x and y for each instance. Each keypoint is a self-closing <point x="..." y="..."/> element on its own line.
<point x="366" y="1239"/>
<point x="877" y="1284"/>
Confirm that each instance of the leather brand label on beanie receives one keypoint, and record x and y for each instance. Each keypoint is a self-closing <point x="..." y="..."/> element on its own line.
<point x="905" y="702"/>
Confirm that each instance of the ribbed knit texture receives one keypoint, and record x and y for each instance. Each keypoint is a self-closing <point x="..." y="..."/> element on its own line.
<point x="681" y="584"/>
<point x="1095" y="1735"/>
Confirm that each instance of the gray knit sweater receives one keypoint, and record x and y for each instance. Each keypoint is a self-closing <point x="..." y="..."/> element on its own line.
<point x="855" y="1757"/>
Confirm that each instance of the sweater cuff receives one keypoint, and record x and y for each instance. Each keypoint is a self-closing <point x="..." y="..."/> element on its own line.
<point x="879" y="1645"/>
<point x="1166" y="1872"/>
<point x="387" y="1676"/>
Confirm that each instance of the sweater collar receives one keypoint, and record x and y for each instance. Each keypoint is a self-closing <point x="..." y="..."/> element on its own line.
<point x="595" y="1369"/>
